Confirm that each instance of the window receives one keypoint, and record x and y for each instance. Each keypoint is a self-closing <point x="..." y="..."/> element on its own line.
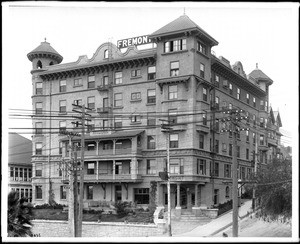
<point x="105" y="81"/>
<point x="150" y="142"/>
<point x="135" y="73"/>
<point x="238" y="93"/>
<point x="90" y="125"/>
<point x="247" y="136"/>
<point x="201" y="166"/>
<point x="225" y="83"/>
<point x="261" y="140"/>
<point x="136" y="96"/>
<point x="172" y="92"/>
<point x="63" y="86"/>
<point x="201" y="48"/>
<point x="106" y="53"/>
<point x="63" y="192"/>
<point x="62" y="126"/>
<point x="238" y="151"/>
<point x="248" y="98"/>
<point x="105" y="124"/>
<point x="227" y="170"/>
<point x="201" y="141"/>
<point x="12" y="172"/>
<point x="60" y="148"/>
<point x="38" y="108"/>
<point x="261" y="122"/>
<point x="216" y="196"/>
<point x="230" y="89"/>
<point x="248" y="175"/>
<point x="39" y="88"/>
<point x="62" y="106"/>
<point x="91" y="81"/>
<point x="91" y="146"/>
<point x="254" y="120"/>
<point x="78" y="82"/>
<point x="151" y="119"/>
<point x="217" y="80"/>
<point x="151" y="166"/>
<point x="118" y="77"/>
<point x="254" y="102"/>
<point x="216" y="169"/>
<point x="217" y="146"/>
<point x="118" y="122"/>
<point x="89" y="192"/>
<point x="91" y="168"/>
<point x="230" y="106"/>
<point x="176" y="166"/>
<point x="38" y="128"/>
<point x="254" y="138"/>
<point x="242" y="173"/>
<point x="38" y="170"/>
<point x="224" y="147"/>
<point x="141" y="195"/>
<point x="173" y="140"/>
<point x="262" y="104"/>
<point x="38" y="148"/>
<point x="227" y="191"/>
<point x="176" y="45"/>
<point x="172" y="116"/>
<point x="135" y="119"/>
<point x="202" y="70"/>
<point x="21" y="174"/>
<point x="230" y="149"/>
<point x="174" y="68"/>
<point x="247" y="153"/>
<point x="151" y="97"/>
<point x="151" y="73"/>
<point x="204" y="118"/>
<point x="38" y="192"/>
<point x="78" y="102"/>
<point x="266" y="106"/>
<point x="118" y="100"/>
<point x="204" y="94"/>
<point x="217" y="103"/>
<point x="91" y="102"/>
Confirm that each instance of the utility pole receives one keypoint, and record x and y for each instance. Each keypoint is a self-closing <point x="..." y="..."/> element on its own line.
<point x="235" y="117"/>
<point x="213" y="149"/>
<point x="255" y="174"/>
<point x="82" y="123"/>
<point x="166" y="128"/>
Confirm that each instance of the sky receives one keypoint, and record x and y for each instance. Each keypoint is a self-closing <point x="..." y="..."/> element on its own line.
<point x="263" y="33"/>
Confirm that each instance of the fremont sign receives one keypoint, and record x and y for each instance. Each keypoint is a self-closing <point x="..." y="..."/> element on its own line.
<point x="135" y="41"/>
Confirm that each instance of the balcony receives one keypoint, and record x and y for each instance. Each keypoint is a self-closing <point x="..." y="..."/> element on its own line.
<point x="263" y="147"/>
<point x="178" y="127"/>
<point x="112" y="178"/>
<point x="202" y="128"/>
<point x="272" y="142"/>
<point x="190" y="178"/>
<point x="103" y="87"/>
<point x="103" y="110"/>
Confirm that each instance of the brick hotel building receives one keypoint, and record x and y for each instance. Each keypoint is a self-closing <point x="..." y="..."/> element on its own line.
<point x="181" y="80"/>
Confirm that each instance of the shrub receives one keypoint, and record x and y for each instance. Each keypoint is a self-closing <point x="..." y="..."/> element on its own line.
<point x="224" y="207"/>
<point x="48" y="206"/>
<point x="121" y="208"/>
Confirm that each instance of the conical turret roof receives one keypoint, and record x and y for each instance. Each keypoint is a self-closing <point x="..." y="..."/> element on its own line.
<point x="259" y="75"/>
<point x="181" y="24"/>
<point x="45" y="49"/>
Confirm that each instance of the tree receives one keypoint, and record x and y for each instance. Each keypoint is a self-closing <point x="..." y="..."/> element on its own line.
<point x="274" y="190"/>
<point x="19" y="215"/>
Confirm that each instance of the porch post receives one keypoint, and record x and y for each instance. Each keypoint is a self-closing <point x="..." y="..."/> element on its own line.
<point x="97" y="170"/>
<point x="114" y="169"/>
<point x="97" y="147"/>
<point x="196" y="209"/>
<point x="178" y="195"/>
<point x="196" y="195"/>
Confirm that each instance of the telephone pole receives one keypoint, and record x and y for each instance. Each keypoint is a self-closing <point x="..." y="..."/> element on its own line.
<point x="234" y="118"/>
<point x="166" y="128"/>
<point x="82" y="119"/>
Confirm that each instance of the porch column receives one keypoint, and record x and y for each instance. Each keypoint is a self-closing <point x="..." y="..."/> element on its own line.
<point x="196" y="195"/>
<point x="114" y="147"/>
<point x="114" y="169"/>
<point x="97" y="169"/>
<point x="178" y="207"/>
<point x="97" y="147"/>
<point x="178" y="195"/>
<point x="134" y="165"/>
<point x="134" y="145"/>
<point x="158" y="195"/>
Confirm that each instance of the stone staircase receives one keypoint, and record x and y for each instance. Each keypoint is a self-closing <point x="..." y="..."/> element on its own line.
<point x="188" y="216"/>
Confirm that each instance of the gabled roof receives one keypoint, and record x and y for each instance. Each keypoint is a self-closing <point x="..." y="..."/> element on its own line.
<point x="277" y="118"/>
<point x="19" y="149"/>
<point x="182" y="24"/>
<point x="45" y="48"/>
<point x="259" y="75"/>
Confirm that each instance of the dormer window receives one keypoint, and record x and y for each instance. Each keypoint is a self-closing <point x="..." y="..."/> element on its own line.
<point x="51" y="63"/>
<point x="106" y="53"/>
<point x="176" y="45"/>
<point x="39" y="65"/>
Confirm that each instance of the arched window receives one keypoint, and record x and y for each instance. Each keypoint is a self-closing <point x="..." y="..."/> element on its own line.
<point x="39" y="65"/>
<point x="106" y="53"/>
<point x="227" y="191"/>
<point x="51" y="63"/>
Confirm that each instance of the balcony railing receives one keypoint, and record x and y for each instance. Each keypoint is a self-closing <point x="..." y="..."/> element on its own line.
<point x="103" y="110"/>
<point x="111" y="177"/>
<point x="103" y="87"/>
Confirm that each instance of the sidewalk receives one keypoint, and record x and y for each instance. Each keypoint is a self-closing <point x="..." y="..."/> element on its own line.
<point x="218" y="224"/>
